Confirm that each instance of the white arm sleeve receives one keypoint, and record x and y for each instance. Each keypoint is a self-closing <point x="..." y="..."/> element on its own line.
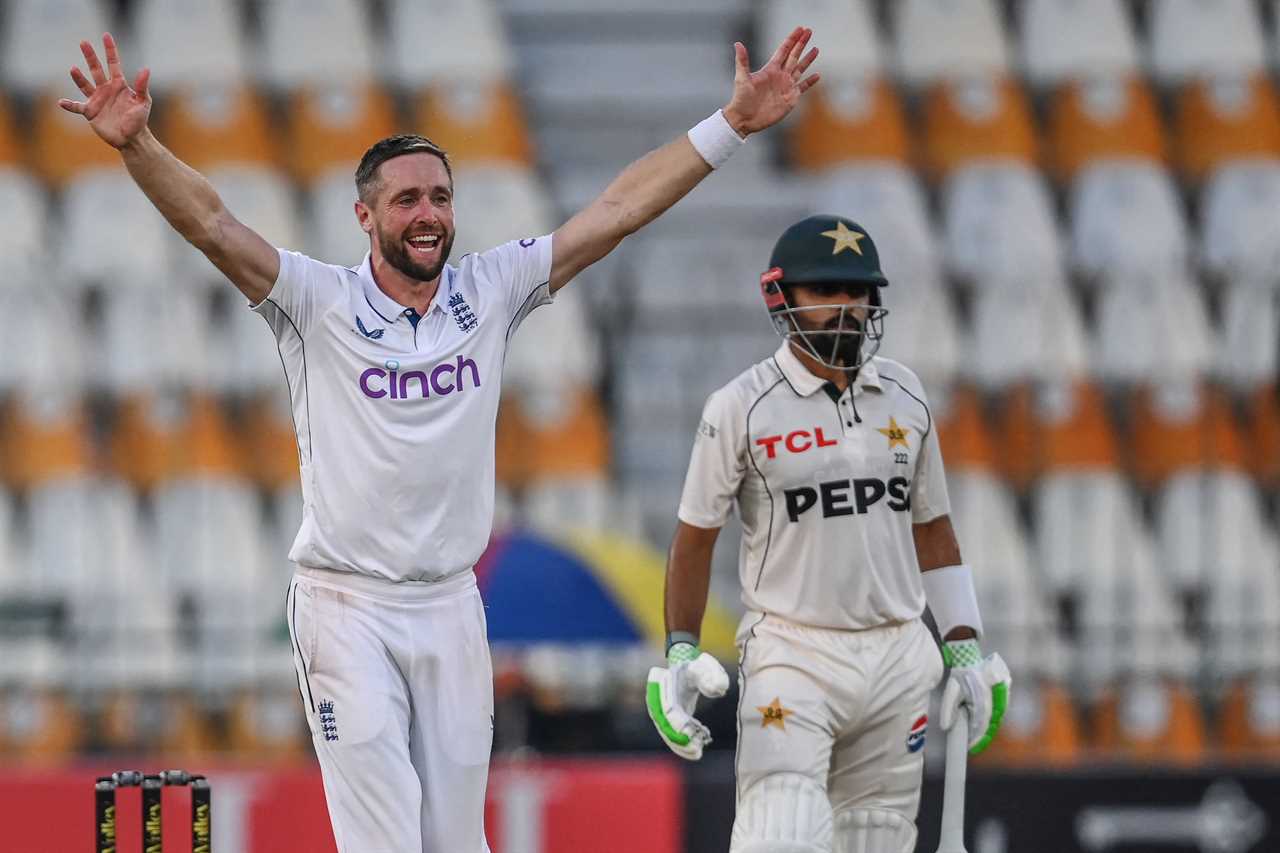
<point x="303" y="291"/>
<point x="718" y="463"/>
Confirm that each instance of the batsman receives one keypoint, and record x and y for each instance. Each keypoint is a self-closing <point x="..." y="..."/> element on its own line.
<point x="830" y="454"/>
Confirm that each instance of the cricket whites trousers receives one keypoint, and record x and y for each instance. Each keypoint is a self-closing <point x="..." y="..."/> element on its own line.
<point x="397" y="686"/>
<point x="831" y="731"/>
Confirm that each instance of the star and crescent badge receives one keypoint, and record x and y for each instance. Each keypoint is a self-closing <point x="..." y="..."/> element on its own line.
<point x="897" y="435"/>
<point x="845" y="238"/>
<point x="774" y="714"/>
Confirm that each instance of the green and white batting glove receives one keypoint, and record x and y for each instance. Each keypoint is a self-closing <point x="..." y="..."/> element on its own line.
<point x="981" y="684"/>
<point x="672" y="694"/>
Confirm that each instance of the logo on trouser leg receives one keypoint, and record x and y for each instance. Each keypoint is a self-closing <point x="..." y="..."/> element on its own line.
<point x="328" y="720"/>
<point x="915" y="737"/>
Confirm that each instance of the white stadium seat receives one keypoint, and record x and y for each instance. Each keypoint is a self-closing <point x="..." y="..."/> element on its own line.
<point x="920" y="331"/>
<point x="855" y="50"/>
<point x="315" y="42"/>
<point x="480" y="192"/>
<point x="467" y="42"/>
<point x="1031" y="334"/>
<point x="555" y="348"/>
<point x="38" y="354"/>
<point x="1240" y="234"/>
<point x="42" y="38"/>
<point x="1249" y="342"/>
<point x="1152" y="326"/>
<point x="189" y="42"/>
<point x="333" y="234"/>
<point x="250" y="360"/>
<point x="888" y="201"/>
<point x="153" y="339"/>
<point x="716" y="277"/>
<point x="120" y="239"/>
<point x="1000" y="227"/>
<point x="1126" y="216"/>
<point x="1062" y="41"/>
<point x="940" y="39"/>
<point x="25" y="235"/>
<point x="1191" y="38"/>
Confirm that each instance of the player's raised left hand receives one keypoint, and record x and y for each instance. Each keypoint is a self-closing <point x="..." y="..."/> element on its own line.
<point x="672" y="693"/>
<point x="980" y="684"/>
<point x="763" y="98"/>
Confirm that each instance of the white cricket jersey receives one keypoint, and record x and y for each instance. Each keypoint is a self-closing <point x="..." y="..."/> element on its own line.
<point x="395" y="424"/>
<point x="827" y="486"/>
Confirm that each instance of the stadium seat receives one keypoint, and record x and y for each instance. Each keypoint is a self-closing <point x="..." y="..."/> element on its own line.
<point x="941" y="39"/>
<point x="887" y="200"/>
<point x="1041" y="727"/>
<point x="1240" y="239"/>
<point x="1262" y="408"/>
<point x="1214" y="542"/>
<point x="475" y="122"/>
<point x="1249" y="726"/>
<point x="555" y="348"/>
<point x="849" y="120"/>
<point x="1246" y="352"/>
<point x="154" y="339"/>
<point x="855" y="54"/>
<point x="1098" y="119"/>
<point x="569" y="503"/>
<point x="268" y="724"/>
<point x="1191" y="38"/>
<point x="1026" y="334"/>
<point x="1127" y="217"/>
<point x="1062" y="42"/>
<point x="25" y="234"/>
<point x="12" y="144"/>
<point x="1224" y="119"/>
<point x="976" y="119"/>
<point x="963" y="433"/>
<point x="261" y="198"/>
<point x="562" y="438"/>
<point x="1151" y="326"/>
<point x="251" y="360"/>
<point x="62" y="146"/>
<point x="715" y="278"/>
<point x="41" y="39"/>
<point x="315" y="42"/>
<point x="468" y="43"/>
<point x="189" y="42"/>
<point x="1179" y="426"/>
<point x="270" y="445"/>
<point x="1152" y="721"/>
<point x="921" y="332"/>
<point x="46" y="439"/>
<point x="1083" y="518"/>
<point x="40" y="722"/>
<point x="34" y="360"/>
<point x="480" y="191"/>
<point x="211" y="126"/>
<point x="332" y="125"/>
<point x="999" y="227"/>
<point x="333" y="233"/>
<point x="121" y="240"/>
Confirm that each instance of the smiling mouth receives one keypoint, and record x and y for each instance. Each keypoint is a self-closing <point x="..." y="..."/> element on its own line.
<point x="424" y="244"/>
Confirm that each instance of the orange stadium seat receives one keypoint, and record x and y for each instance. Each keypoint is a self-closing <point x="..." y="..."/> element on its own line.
<point x="964" y="434"/>
<point x="1223" y="119"/>
<point x="11" y="144"/>
<point x="62" y="145"/>
<point x="978" y="118"/>
<point x="1179" y="427"/>
<point x="168" y="721"/>
<point x="1102" y="118"/>
<point x="1248" y="727"/>
<point x="1045" y="732"/>
<point x="40" y="726"/>
<point x="1054" y="430"/>
<point x="271" y="448"/>
<point x="44" y="438"/>
<point x="142" y="439"/>
<point x="205" y="446"/>
<point x="267" y="724"/>
<point x="1152" y="722"/>
<point x="216" y="126"/>
<point x="334" y="126"/>
<point x="574" y="444"/>
<point x="475" y="123"/>
<point x="844" y="120"/>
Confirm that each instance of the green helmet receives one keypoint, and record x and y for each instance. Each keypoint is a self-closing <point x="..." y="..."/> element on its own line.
<point x="826" y="248"/>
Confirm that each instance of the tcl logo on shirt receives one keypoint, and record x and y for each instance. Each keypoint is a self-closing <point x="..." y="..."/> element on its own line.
<point x="797" y="441"/>
<point x="846" y="497"/>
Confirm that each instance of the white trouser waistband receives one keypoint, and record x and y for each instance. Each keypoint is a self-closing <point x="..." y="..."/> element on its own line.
<point x="373" y="587"/>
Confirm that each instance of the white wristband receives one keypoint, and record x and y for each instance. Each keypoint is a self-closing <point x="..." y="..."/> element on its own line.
<point x="715" y="139"/>
<point x="952" y="599"/>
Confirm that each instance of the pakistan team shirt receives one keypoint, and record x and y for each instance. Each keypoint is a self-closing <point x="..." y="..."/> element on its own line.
<point x="827" y="485"/>
<point x="395" y="421"/>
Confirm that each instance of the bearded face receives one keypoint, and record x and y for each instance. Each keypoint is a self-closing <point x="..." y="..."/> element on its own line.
<point x="420" y="250"/>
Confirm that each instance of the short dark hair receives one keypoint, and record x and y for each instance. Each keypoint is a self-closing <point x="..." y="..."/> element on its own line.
<point x="394" y="146"/>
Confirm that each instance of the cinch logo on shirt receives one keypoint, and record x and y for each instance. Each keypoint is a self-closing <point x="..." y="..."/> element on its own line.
<point x="441" y="380"/>
<point x="867" y="491"/>
<point x="795" y="442"/>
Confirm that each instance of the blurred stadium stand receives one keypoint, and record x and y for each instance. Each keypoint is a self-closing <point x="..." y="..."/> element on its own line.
<point x="1076" y="204"/>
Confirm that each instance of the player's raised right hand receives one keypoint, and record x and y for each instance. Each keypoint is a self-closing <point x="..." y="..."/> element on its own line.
<point x="672" y="693"/>
<point x="116" y="111"/>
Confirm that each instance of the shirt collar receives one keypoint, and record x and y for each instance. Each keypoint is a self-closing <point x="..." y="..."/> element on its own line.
<point x="390" y="310"/>
<point x="805" y="383"/>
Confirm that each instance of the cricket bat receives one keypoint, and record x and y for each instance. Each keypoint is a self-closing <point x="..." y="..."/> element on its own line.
<point x="951" y="837"/>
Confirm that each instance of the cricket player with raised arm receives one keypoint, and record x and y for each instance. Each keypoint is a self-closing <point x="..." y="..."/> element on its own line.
<point x="394" y="369"/>
<point x="831" y="455"/>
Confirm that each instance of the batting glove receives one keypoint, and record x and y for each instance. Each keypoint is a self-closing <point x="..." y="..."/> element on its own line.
<point x="672" y="693"/>
<point x="980" y="684"/>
